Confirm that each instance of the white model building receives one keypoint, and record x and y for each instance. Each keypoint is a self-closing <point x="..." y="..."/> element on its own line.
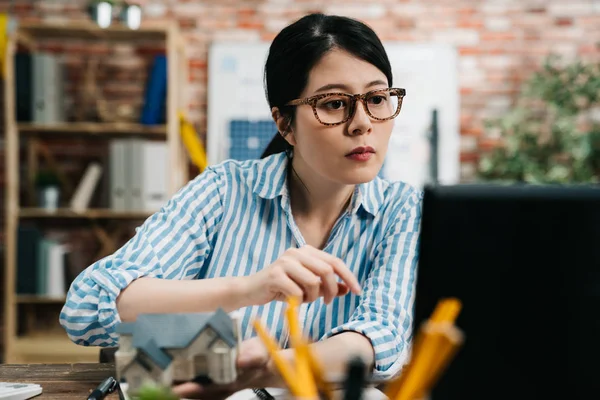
<point x="163" y="348"/>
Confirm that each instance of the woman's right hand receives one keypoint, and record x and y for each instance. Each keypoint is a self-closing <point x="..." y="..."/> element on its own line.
<point x="306" y="273"/>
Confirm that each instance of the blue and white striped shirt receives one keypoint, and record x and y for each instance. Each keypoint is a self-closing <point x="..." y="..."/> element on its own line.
<point x="234" y="219"/>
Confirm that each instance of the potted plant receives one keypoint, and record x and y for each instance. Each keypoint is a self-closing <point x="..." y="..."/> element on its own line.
<point x="552" y="135"/>
<point x="47" y="185"/>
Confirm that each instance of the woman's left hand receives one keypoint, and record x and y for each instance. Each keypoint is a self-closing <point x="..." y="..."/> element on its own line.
<point x="253" y="372"/>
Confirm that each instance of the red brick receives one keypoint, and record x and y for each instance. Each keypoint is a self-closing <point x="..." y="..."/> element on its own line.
<point x="589" y="49"/>
<point x="404" y="23"/>
<point x="469" y="157"/>
<point x="187" y="23"/>
<point x="197" y="64"/>
<point x="250" y="24"/>
<point x="492" y="36"/>
<point x="268" y="36"/>
<point x="471" y="131"/>
<point x="536" y="10"/>
<point x="469" y="23"/>
<point x="466" y="11"/>
<point x="22" y="8"/>
<point x="563" y="21"/>
<point x="467" y="51"/>
<point x="246" y="12"/>
<point x="489" y="143"/>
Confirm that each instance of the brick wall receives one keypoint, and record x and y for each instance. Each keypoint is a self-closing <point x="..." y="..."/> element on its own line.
<point x="499" y="42"/>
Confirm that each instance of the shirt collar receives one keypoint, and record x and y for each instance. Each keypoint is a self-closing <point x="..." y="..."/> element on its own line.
<point x="269" y="180"/>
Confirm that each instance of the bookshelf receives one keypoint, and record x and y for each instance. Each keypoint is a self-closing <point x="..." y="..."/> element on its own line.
<point x="92" y="129"/>
<point x="51" y="344"/>
<point x="98" y="213"/>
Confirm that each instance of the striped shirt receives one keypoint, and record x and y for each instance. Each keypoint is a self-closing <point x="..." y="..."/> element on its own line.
<point x="235" y="219"/>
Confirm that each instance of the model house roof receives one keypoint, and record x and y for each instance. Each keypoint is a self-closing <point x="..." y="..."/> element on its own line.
<point x="153" y="352"/>
<point x="155" y="333"/>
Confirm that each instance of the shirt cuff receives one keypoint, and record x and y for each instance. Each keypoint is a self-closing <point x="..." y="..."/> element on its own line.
<point x="390" y="352"/>
<point x="111" y="283"/>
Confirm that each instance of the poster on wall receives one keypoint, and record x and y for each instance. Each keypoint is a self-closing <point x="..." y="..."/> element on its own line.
<point x="240" y="124"/>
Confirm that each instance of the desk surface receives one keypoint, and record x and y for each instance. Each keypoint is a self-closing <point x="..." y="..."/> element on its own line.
<point x="76" y="381"/>
<point x="60" y="381"/>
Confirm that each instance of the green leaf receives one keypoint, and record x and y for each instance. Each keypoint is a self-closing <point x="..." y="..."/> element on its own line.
<point x="155" y="392"/>
<point x="547" y="136"/>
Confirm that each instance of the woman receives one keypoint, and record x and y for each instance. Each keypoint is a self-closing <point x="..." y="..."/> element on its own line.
<point x="310" y="219"/>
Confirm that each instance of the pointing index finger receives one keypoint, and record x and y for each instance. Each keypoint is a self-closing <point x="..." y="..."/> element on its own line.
<point x="339" y="267"/>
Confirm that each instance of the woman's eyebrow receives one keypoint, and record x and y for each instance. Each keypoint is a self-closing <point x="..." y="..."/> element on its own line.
<point x="346" y="88"/>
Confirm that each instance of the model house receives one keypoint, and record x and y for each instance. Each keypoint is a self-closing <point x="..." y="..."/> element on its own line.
<point x="167" y="348"/>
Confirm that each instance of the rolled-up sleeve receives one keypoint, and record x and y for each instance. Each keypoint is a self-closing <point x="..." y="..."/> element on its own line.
<point x="385" y="312"/>
<point x="172" y="244"/>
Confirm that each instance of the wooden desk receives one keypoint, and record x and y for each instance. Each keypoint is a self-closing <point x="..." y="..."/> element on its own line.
<point x="60" y="381"/>
<point x="76" y="381"/>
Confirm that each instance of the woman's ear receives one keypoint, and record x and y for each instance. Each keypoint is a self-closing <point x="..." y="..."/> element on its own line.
<point x="284" y="126"/>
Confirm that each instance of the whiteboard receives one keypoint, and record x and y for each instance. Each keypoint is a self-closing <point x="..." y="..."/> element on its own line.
<point x="428" y="72"/>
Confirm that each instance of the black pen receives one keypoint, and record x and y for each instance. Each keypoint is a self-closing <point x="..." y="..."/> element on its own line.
<point x="355" y="379"/>
<point x="104" y="389"/>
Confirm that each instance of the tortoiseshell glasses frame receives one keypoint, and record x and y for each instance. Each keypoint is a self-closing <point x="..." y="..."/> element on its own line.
<point x="312" y="101"/>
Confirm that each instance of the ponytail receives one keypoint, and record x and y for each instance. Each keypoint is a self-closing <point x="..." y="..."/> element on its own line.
<point x="277" y="145"/>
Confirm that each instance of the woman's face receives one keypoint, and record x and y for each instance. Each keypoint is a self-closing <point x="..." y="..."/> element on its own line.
<point x="348" y="153"/>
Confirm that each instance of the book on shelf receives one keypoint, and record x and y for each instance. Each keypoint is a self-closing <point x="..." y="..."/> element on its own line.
<point x="138" y="174"/>
<point x="41" y="264"/>
<point x="40" y="93"/>
<point x="154" y="108"/>
<point x="86" y="187"/>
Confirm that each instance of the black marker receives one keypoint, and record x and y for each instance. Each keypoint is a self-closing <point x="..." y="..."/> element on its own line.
<point x="107" y="386"/>
<point x="355" y="380"/>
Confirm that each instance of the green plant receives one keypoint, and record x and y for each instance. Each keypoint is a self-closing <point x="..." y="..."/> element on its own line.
<point x="552" y="135"/>
<point x="155" y="392"/>
<point x="45" y="178"/>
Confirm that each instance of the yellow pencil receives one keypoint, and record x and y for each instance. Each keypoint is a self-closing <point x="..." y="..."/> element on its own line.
<point x="318" y="374"/>
<point x="430" y="352"/>
<point x="452" y="310"/>
<point x="393" y="388"/>
<point x="452" y="339"/>
<point x="285" y="370"/>
<point x="420" y="365"/>
<point x="306" y="383"/>
<point x="446" y="310"/>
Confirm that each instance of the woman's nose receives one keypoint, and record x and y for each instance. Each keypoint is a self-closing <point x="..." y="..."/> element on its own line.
<point x="360" y="123"/>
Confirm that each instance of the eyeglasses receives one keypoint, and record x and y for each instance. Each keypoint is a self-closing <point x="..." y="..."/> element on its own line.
<point x="336" y="108"/>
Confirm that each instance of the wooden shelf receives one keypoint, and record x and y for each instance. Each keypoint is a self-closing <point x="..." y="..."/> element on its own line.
<point x="89" y="31"/>
<point x="53" y="348"/>
<point x="89" y="214"/>
<point x="93" y="129"/>
<point x="38" y="299"/>
<point x="109" y="226"/>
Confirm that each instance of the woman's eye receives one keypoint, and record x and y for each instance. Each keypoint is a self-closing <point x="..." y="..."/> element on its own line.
<point x="377" y="100"/>
<point x="335" y="105"/>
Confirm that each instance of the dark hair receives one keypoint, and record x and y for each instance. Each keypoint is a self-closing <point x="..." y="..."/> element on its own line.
<point x="299" y="46"/>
